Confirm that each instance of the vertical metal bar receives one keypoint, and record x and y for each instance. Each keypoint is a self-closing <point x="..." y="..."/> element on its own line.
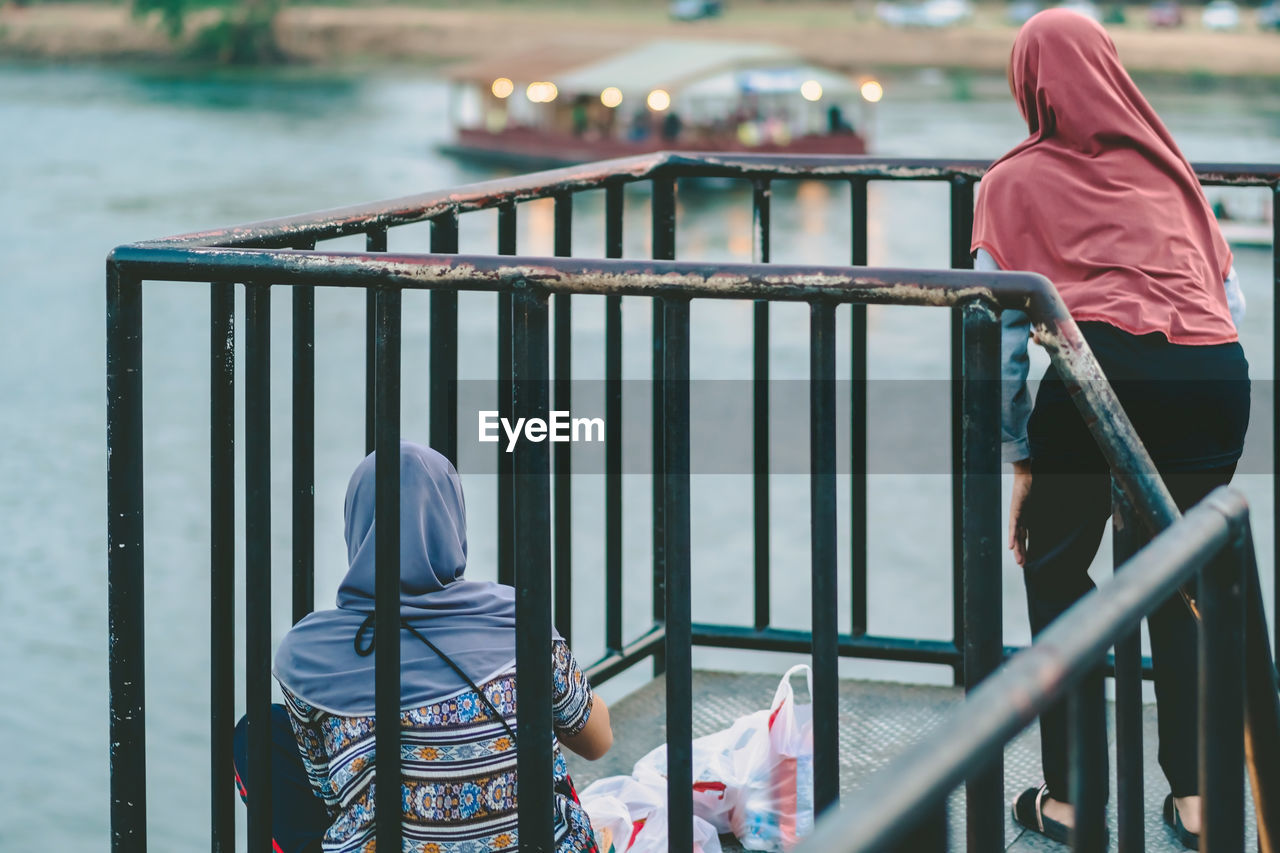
<point x="1222" y="688"/>
<point x="1128" y="536"/>
<point x="125" y="625"/>
<point x="387" y="575"/>
<point x="961" y="235"/>
<point x="929" y="835"/>
<point x="562" y="466"/>
<point x="533" y="574"/>
<point x="1262" y="709"/>
<point x="1275" y="433"/>
<point x="858" y="418"/>
<point x="1088" y="752"/>
<point x="374" y="241"/>
<point x="257" y="510"/>
<point x="222" y="564"/>
<point x="822" y="503"/>
<point x="679" y="643"/>
<point x="613" y="210"/>
<point x="304" y="450"/>
<point x="979" y="567"/>
<point x="506" y="486"/>
<point x="443" y="399"/>
<point x="760" y="388"/>
<point x="664" y="249"/>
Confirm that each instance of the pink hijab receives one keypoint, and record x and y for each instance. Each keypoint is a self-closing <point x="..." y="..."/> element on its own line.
<point x="1098" y="198"/>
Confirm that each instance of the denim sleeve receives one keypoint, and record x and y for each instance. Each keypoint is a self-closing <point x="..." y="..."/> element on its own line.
<point x="1235" y="297"/>
<point x="1015" y="398"/>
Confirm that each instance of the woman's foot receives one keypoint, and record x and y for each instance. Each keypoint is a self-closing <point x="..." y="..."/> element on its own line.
<point x="1189" y="812"/>
<point x="1178" y="814"/>
<point x="1035" y="810"/>
<point x="1063" y="813"/>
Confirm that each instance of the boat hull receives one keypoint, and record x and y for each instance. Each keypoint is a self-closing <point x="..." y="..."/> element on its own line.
<point x="528" y="149"/>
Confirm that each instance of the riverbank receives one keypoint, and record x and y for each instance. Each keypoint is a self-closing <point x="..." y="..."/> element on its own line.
<point x="829" y="33"/>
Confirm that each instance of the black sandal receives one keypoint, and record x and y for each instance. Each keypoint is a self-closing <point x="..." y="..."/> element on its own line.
<point x="1028" y="812"/>
<point x="1173" y="820"/>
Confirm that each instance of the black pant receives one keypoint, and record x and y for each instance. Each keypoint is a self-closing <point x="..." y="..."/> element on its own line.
<point x="298" y="817"/>
<point x="1190" y="406"/>
<point x="1066" y="516"/>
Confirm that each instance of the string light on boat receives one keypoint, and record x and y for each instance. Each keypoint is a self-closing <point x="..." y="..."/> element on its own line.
<point x="611" y="97"/>
<point x="811" y="90"/>
<point x="871" y="91"/>
<point x="658" y="100"/>
<point x="542" y="92"/>
<point x="503" y="87"/>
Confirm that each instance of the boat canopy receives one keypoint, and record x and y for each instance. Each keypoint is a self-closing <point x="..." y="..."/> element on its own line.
<point x="689" y="67"/>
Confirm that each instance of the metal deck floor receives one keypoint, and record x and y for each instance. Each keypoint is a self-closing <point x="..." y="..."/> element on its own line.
<point x="878" y="721"/>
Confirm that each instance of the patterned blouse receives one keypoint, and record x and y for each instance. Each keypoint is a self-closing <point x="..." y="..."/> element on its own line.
<point x="458" y="767"/>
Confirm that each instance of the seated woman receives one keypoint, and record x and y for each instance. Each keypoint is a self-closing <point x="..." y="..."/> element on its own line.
<point x="458" y="685"/>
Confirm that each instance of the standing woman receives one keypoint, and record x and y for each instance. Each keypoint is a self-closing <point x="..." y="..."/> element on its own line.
<point x="1100" y="200"/>
<point x="457" y="680"/>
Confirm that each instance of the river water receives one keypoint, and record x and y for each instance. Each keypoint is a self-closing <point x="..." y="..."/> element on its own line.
<point x="91" y="158"/>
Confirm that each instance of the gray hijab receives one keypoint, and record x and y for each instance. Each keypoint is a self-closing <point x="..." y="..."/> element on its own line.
<point x="472" y="622"/>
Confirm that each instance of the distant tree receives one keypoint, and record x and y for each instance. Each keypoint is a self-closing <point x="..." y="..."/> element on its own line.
<point x="243" y="34"/>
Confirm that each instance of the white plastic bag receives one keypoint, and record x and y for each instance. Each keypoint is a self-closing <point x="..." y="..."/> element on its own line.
<point x="649" y="835"/>
<point x="719" y="761"/>
<point x="754" y="779"/>
<point x="633" y="814"/>
<point x="610" y="821"/>
<point x="775" y="807"/>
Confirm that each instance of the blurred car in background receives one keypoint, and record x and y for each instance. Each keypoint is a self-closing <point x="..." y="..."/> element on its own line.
<point x="1083" y="7"/>
<point x="1269" y="16"/>
<point x="1164" y="14"/>
<point x="1020" y="11"/>
<point x="694" y="10"/>
<point x="1220" y="15"/>
<point x="930" y="13"/>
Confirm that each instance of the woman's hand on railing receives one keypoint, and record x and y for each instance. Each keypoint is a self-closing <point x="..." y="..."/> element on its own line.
<point x="1018" y="530"/>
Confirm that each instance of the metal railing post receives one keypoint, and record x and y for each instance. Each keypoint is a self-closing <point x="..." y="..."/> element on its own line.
<point x="1088" y="777"/>
<point x="961" y="235"/>
<point x="613" y="207"/>
<point x="979" y="563"/>
<point x="443" y="396"/>
<point x="257" y="510"/>
<point x="1221" y="698"/>
<point x="222" y="564"/>
<point x="375" y="240"/>
<point x="125" y="626"/>
<point x="858" y="420"/>
<point x="822" y="508"/>
<point x="530" y="354"/>
<point x="663" y="214"/>
<point x="561" y="463"/>
<point x="388" y="812"/>
<point x="304" y="446"/>
<point x="1128" y="536"/>
<point x="930" y="836"/>
<point x="1275" y="433"/>
<point x="760" y="250"/>
<point x="674" y="477"/>
<point x="1262" y="710"/>
<point x="506" y="486"/>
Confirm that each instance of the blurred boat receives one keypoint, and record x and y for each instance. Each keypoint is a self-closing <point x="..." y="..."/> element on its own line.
<point x="560" y="107"/>
<point x="1256" y="234"/>
<point x="1255" y="229"/>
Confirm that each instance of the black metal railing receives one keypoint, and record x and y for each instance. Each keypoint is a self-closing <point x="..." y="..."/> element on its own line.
<point x="282" y="253"/>
<point x="904" y="806"/>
